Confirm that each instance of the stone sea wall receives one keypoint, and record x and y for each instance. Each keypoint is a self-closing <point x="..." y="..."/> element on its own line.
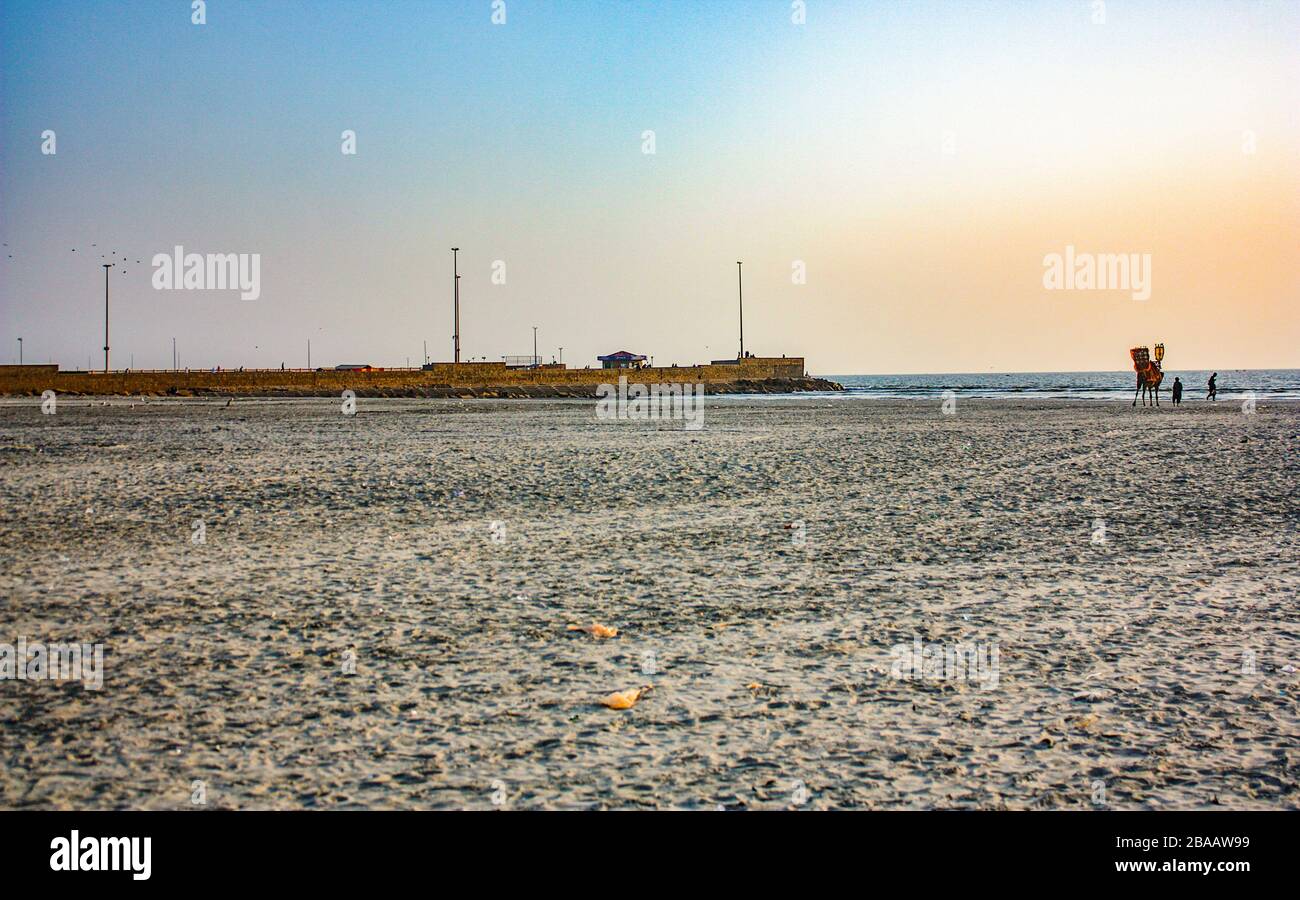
<point x="490" y="380"/>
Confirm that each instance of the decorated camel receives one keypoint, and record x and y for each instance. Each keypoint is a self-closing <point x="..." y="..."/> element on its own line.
<point x="1148" y="371"/>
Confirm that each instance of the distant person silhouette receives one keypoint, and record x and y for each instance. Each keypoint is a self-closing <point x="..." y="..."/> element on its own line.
<point x="1178" y="392"/>
<point x="1212" y="391"/>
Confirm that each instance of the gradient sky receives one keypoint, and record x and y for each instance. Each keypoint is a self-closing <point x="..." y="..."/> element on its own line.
<point x="775" y="142"/>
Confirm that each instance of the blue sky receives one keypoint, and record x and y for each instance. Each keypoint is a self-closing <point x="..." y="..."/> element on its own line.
<point x="775" y="143"/>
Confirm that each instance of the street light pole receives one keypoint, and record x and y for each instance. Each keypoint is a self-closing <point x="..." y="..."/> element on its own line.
<point x="455" y="271"/>
<point x="561" y="356"/>
<point x="740" y="292"/>
<point x="20" y="351"/>
<point x="534" y="346"/>
<point x="106" y="266"/>
<point x="174" y="366"/>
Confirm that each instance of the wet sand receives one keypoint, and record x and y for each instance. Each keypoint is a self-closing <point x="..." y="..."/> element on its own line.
<point x="1150" y="663"/>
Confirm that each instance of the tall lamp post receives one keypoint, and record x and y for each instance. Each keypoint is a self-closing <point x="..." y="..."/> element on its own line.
<point x="455" y="272"/>
<point x="20" y="351"/>
<point x="106" y="266"/>
<point x="740" y="292"/>
<point x="535" y="362"/>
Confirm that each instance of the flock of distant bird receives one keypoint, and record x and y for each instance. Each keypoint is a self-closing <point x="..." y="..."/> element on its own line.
<point x="111" y="255"/>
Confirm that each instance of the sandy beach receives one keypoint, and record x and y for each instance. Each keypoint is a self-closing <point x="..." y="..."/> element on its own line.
<point x="302" y="609"/>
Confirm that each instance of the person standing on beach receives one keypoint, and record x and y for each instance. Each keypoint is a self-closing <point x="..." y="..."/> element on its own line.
<point x="1212" y="391"/>
<point x="1178" y="392"/>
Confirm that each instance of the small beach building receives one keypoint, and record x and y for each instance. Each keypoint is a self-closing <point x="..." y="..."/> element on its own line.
<point x="621" y="360"/>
